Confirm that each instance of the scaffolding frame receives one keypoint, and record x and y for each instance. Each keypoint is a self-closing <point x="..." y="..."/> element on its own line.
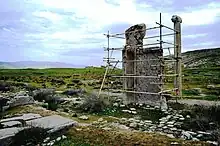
<point x="176" y="59"/>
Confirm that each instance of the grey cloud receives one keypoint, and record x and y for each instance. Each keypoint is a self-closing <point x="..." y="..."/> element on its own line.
<point x="175" y="5"/>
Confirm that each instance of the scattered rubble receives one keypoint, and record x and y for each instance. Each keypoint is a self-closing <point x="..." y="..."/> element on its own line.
<point x="21" y="100"/>
<point x="170" y="124"/>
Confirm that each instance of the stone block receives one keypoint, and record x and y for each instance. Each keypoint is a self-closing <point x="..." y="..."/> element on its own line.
<point x="53" y="123"/>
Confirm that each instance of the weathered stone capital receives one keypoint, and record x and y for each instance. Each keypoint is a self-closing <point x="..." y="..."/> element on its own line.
<point x="176" y="19"/>
<point x="138" y="30"/>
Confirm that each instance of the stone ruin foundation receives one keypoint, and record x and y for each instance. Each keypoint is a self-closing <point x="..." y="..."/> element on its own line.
<point x="142" y="61"/>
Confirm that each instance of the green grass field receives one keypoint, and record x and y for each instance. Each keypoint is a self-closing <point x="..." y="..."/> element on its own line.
<point x="202" y="78"/>
<point x="90" y="78"/>
<point x="59" y="78"/>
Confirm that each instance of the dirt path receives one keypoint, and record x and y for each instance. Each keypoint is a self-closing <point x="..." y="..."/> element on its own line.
<point x="198" y="102"/>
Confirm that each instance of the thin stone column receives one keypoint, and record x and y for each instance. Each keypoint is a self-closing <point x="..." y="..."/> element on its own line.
<point x="177" y="54"/>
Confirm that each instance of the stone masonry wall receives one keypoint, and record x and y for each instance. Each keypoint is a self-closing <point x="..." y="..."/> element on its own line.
<point x="134" y="51"/>
<point x="148" y="68"/>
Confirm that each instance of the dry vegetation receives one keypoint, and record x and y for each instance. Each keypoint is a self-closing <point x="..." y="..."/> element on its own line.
<point x="93" y="136"/>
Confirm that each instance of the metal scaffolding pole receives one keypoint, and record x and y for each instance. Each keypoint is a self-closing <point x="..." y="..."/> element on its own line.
<point x="157" y="45"/>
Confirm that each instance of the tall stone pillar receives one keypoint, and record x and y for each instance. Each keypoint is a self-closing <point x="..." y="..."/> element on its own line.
<point x="134" y="41"/>
<point x="177" y="54"/>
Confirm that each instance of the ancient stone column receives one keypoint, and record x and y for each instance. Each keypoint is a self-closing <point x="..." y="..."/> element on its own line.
<point x="177" y="53"/>
<point x="134" y="40"/>
<point x="143" y="62"/>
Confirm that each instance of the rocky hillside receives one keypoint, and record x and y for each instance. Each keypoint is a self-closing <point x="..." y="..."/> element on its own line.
<point x="202" y="58"/>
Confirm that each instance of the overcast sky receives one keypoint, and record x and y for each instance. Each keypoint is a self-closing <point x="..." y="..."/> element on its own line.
<point x="71" y="31"/>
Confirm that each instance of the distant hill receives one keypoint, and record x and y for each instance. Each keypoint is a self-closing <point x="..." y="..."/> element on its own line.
<point x="36" y="64"/>
<point x="196" y="58"/>
<point x="202" y="58"/>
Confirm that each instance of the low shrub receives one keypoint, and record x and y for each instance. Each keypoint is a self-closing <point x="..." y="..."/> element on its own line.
<point x="72" y="92"/>
<point x="215" y="91"/>
<point x="211" y="97"/>
<point x="191" y="92"/>
<point x="93" y="104"/>
<point x="45" y="105"/>
<point x="30" y="87"/>
<point x="4" y="87"/>
<point x="52" y="105"/>
<point x="43" y="94"/>
<point x="48" y="95"/>
<point x="3" y="102"/>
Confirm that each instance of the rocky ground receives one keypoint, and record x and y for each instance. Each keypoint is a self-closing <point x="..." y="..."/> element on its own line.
<point x="175" y="123"/>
